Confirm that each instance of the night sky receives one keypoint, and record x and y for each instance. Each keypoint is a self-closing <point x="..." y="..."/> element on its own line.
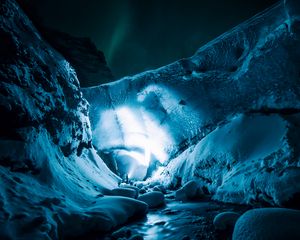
<point x="136" y="35"/>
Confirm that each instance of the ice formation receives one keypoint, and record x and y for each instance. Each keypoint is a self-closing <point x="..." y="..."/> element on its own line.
<point x="225" y="120"/>
<point x="239" y="95"/>
<point x="51" y="178"/>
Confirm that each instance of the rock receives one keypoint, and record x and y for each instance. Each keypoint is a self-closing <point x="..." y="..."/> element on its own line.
<point x="159" y="223"/>
<point x="268" y="223"/>
<point x="125" y="192"/>
<point x="123" y="232"/>
<point x="153" y="184"/>
<point x="171" y="195"/>
<point x="187" y="191"/>
<point x="143" y="190"/>
<point x="190" y="189"/>
<point x="160" y="188"/>
<point x="186" y="237"/>
<point x="136" y="237"/>
<point x="124" y="185"/>
<point x="139" y="185"/>
<point x="153" y="199"/>
<point x="200" y="193"/>
<point x="225" y="220"/>
<point x="83" y="55"/>
<point x="180" y="195"/>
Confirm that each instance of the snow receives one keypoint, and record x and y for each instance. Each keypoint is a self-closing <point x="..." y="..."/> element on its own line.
<point x="153" y="199"/>
<point x="160" y="188"/>
<point x="246" y="160"/>
<point x="224" y="121"/>
<point x="123" y="191"/>
<point x="225" y="220"/>
<point x="268" y="223"/>
<point x="52" y="179"/>
<point x="188" y="191"/>
<point x="106" y="214"/>
<point x="159" y="114"/>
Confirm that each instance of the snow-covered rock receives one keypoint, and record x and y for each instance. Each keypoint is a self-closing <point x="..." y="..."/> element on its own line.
<point x="126" y="233"/>
<point x="125" y="192"/>
<point x="180" y="195"/>
<point x="153" y="199"/>
<point x="125" y="185"/>
<point x="51" y="176"/>
<point x="143" y="190"/>
<point x="188" y="191"/>
<point x="268" y="223"/>
<point x="106" y="214"/>
<point x="160" y="188"/>
<point x="136" y="237"/>
<point x="225" y="220"/>
<point x="253" y="158"/>
<point x="121" y="233"/>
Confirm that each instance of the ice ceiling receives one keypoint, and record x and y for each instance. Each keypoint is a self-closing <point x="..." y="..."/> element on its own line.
<point x="140" y="130"/>
<point x="144" y="120"/>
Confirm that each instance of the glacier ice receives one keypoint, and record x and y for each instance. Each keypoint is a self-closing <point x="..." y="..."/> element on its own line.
<point x="51" y="178"/>
<point x="226" y="119"/>
<point x="245" y="81"/>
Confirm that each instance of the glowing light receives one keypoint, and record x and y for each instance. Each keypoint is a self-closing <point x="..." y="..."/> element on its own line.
<point x="140" y="130"/>
<point x="136" y="138"/>
<point x="133" y="163"/>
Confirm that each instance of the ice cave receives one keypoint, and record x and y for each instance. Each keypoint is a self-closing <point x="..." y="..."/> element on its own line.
<point x="205" y="147"/>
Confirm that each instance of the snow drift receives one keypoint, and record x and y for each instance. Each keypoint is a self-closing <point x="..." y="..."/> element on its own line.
<point x="252" y="159"/>
<point x="51" y="177"/>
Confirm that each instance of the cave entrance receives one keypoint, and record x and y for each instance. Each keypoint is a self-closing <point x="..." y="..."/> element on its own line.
<point x="134" y="142"/>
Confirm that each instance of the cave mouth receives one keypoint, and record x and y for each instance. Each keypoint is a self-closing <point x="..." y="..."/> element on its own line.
<point x="139" y="127"/>
<point x="136" y="144"/>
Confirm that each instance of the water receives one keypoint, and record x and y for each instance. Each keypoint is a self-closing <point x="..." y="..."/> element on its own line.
<point x="179" y="220"/>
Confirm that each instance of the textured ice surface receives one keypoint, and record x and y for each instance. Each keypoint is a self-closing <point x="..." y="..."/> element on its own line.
<point x="50" y="175"/>
<point x="226" y="116"/>
<point x="252" y="68"/>
<point x="250" y="159"/>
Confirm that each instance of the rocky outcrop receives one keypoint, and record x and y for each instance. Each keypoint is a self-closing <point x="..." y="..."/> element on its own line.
<point x="51" y="177"/>
<point x="81" y="52"/>
<point x="89" y="63"/>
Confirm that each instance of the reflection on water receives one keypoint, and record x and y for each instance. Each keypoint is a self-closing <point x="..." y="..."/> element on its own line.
<point x="180" y="221"/>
